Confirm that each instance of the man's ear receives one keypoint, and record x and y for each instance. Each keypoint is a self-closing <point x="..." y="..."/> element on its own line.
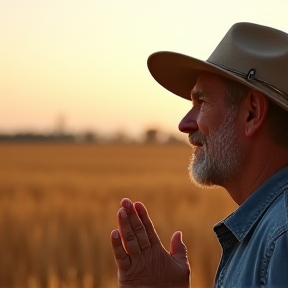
<point x="256" y="108"/>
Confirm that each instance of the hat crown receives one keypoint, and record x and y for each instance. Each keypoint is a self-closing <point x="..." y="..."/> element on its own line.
<point x="251" y="54"/>
<point x="249" y="46"/>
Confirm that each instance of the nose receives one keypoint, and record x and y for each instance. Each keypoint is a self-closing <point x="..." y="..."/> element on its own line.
<point x="189" y="123"/>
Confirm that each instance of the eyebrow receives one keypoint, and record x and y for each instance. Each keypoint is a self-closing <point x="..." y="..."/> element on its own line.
<point x="196" y="94"/>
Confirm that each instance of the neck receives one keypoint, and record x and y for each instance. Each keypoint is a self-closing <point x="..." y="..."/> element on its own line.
<point x="256" y="169"/>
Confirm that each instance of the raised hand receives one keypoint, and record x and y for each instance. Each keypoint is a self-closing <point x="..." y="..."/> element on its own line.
<point x="140" y="256"/>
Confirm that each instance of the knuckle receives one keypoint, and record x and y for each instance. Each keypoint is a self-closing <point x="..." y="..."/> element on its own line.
<point x="139" y="229"/>
<point x="145" y="246"/>
<point x="130" y="236"/>
<point x="150" y="230"/>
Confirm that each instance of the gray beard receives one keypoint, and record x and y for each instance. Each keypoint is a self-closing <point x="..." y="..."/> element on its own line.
<point x="219" y="157"/>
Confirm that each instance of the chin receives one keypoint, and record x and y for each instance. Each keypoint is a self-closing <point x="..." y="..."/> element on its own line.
<point x="201" y="176"/>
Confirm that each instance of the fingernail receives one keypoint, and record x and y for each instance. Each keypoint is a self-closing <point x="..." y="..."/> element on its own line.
<point x="123" y="213"/>
<point x="127" y="204"/>
<point x="115" y="234"/>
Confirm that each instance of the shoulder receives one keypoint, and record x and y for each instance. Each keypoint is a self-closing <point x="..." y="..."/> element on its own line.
<point x="275" y="218"/>
<point x="275" y="259"/>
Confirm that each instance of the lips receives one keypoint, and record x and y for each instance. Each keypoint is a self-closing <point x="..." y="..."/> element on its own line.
<point x="195" y="144"/>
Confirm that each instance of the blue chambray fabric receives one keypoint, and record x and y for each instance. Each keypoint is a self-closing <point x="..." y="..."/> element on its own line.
<point x="254" y="239"/>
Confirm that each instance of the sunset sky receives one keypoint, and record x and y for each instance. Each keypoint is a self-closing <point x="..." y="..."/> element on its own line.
<point x="84" y="61"/>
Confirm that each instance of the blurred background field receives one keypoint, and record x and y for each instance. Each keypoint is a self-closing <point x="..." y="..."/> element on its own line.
<point x="58" y="205"/>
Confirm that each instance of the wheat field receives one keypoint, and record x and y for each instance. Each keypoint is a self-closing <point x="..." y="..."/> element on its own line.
<point x="58" y="205"/>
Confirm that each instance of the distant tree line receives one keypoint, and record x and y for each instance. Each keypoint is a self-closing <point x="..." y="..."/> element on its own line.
<point x="150" y="136"/>
<point x="35" y="137"/>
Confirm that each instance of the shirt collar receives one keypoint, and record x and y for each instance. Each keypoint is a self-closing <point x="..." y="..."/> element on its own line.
<point x="243" y="219"/>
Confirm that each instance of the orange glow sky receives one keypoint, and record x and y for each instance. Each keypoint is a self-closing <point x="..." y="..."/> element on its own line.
<point x="86" y="60"/>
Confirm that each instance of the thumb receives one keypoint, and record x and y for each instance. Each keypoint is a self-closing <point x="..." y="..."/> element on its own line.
<point x="178" y="249"/>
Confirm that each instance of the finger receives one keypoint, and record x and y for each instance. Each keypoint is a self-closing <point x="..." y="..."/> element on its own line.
<point x="149" y="227"/>
<point x="121" y="257"/>
<point x="136" y="224"/>
<point x="178" y="249"/>
<point x="128" y="236"/>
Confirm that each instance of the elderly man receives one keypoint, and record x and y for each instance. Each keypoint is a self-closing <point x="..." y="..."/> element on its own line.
<point x="238" y="128"/>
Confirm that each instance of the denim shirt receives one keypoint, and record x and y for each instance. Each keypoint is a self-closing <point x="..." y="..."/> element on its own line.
<point x="254" y="239"/>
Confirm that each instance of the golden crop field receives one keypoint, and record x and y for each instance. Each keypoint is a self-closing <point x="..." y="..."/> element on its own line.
<point x="58" y="205"/>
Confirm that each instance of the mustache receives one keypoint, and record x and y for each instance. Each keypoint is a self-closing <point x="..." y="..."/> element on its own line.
<point x="196" y="138"/>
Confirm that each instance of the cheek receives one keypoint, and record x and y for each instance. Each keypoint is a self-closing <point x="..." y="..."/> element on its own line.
<point x="210" y="117"/>
<point x="205" y="123"/>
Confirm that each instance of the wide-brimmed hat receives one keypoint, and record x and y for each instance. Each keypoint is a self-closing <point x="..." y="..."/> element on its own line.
<point x="254" y="55"/>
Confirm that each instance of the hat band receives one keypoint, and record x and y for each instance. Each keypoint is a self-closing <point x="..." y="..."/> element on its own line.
<point x="251" y="76"/>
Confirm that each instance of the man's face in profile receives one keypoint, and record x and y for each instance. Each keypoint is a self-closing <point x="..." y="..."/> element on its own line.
<point x="216" y="148"/>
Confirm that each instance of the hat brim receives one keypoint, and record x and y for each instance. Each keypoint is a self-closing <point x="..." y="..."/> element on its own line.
<point x="178" y="73"/>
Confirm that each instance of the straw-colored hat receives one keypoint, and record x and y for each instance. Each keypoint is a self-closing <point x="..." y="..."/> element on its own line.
<point x="254" y="55"/>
